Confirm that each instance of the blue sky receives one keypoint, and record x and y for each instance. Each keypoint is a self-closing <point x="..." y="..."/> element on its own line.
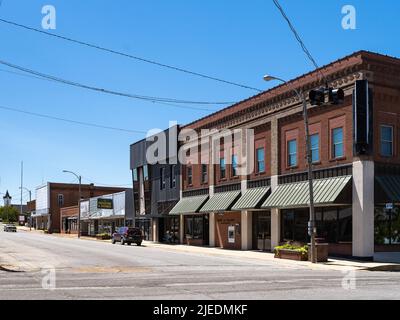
<point x="235" y="40"/>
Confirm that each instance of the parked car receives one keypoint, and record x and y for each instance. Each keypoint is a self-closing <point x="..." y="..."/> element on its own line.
<point x="10" y="228"/>
<point x="127" y="235"/>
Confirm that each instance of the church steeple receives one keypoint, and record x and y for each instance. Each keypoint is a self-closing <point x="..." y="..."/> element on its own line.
<point x="7" y="199"/>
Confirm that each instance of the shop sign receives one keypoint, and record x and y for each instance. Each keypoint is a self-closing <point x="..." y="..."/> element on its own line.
<point x="104" y="203"/>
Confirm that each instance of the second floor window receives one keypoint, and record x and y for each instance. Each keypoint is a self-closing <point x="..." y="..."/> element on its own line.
<point x="292" y="153"/>
<point x="222" y="168"/>
<point x="260" y="160"/>
<point x="204" y="175"/>
<point x="234" y="165"/>
<point x="189" y="176"/>
<point x="60" y="200"/>
<point x="162" y="179"/>
<point x="386" y="141"/>
<point x="314" y="142"/>
<point x="337" y="143"/>
<point x="173" y="176"/>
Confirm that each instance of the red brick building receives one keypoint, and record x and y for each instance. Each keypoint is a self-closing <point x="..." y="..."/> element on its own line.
<point x="51" y="197"/>
<point x="356" y="164"/>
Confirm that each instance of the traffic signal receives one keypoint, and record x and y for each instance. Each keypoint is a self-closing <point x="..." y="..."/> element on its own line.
<point x="317" y="97"/>
<point x="335" y="96"/>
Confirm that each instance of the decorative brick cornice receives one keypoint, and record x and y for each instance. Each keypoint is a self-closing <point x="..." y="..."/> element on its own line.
<point x="341" y="73"/>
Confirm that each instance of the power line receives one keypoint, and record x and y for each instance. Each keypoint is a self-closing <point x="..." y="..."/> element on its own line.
<point x="128" y="95"/>
<point x="129" y="55"/>
<point x="88" y="124"/>
<point x="158" y="102"/>
<point x="298" y="38"/>
<point x="105" y="184"/>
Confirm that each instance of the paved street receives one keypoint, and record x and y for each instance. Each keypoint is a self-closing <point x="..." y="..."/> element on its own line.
<point x="86" y="269"/>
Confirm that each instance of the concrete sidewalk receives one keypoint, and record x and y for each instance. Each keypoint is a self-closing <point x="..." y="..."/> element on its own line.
<point x="332" y="264"/>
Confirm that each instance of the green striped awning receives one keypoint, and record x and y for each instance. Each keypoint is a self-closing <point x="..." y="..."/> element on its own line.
<point x="221" y="201"/>
<point x="189" y="204"/>
<point x="391" y="187"/>
<point x="252" y="198"/>
<point x="295" y="195"/>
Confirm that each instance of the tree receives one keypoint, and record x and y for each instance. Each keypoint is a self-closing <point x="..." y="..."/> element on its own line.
<point x="9" y="214"/>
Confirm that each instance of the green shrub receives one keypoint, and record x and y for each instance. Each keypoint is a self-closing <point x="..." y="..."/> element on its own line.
<point x="303" y="250"/>
<point x="104" y="236"/>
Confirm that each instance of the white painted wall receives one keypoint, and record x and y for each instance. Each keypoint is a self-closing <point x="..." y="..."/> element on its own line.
<point x="363" y="209"/>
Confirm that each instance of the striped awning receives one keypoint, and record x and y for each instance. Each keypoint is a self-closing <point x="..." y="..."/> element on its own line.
<point x="189" y="205"/>
<point x="296" y="195"/>
<point x="252" y="198"/>
<point x="221" y="201"/>
<point x="391" y="186"/>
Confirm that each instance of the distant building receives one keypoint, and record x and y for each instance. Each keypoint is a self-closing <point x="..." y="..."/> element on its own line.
<point x="8" y="203"/>
<point x="101" y="214"/>
<point x="51" y="197"/>
<point x="156" y="188"/>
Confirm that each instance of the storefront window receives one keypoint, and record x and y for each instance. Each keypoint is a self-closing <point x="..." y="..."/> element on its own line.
<point x="387" y="226"/>
<point x="329" y="225"/>
<point x="194" y="227"/>
<point x="345" y="225"/>
<point x="333" y="224"/>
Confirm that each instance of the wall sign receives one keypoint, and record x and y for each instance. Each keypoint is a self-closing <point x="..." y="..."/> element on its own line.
<point x="104" y="203"/>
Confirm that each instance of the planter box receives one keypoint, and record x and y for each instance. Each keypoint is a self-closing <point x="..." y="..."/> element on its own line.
<point x="194" y="242"/>
<point x="322" y="252"/>
<point x="290" y="255"/>
<point x="103" y="237"/>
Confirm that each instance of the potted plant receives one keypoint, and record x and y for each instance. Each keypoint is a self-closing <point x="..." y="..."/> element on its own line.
<point x="292" y="252"/>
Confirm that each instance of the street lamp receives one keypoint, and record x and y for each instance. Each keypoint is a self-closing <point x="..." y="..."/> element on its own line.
<point x="79" y="201"/>
<point x="30" y="199"/>
<point x="312" y="228"/>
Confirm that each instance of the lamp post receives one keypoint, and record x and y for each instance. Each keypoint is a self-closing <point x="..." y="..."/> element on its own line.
<point x="312" y="227"/>
<point x="30" y="199"/>
<point x="79" y="201"/>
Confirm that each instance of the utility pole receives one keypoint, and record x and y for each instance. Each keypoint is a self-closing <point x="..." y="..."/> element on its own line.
<point x="30" y="200"/>
<point x="311" y="227"/>
<point x="22" y="182"/>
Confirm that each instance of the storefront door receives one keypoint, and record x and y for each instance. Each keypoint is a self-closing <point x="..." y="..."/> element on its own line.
<point x="262" y="230"/>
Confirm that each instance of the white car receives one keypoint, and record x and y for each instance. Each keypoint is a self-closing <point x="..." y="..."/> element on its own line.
<point x="10" y="228"/>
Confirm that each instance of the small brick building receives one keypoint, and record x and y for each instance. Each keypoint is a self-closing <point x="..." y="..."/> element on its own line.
<point x="51" y="197"/>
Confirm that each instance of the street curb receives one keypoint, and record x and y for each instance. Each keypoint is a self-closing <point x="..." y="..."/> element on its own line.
<point x="390" y="268"/>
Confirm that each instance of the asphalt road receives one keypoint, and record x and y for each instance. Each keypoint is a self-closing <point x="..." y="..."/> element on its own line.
<point x="65" y="268"/>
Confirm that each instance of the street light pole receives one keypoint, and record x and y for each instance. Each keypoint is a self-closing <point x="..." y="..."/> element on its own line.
<point x="79" y="201"/>
<point x="312" y="227"/>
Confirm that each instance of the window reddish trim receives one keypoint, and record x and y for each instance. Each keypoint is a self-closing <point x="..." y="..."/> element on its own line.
<point x="289" y="136"/>
<point x="334" y="123"/>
